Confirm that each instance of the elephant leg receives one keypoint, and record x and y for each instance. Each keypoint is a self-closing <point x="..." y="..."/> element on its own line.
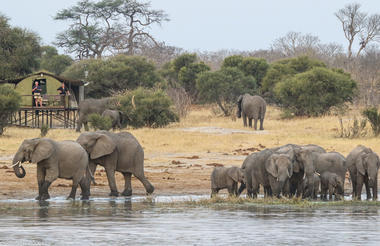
<point x="128" y="185"/>
<point x="374" y="189"/>
<point x="241" y="188"/>
<point x="40" y="180"/>
<point x="253" y="190"/>
<point x="255" y="124"/>
<point x="367" y="188"/>
<point x="261" y="123"/>
<point x="245" y="120"/>
<point x="235" y="189"/>
<point x="250" y="122"/>
<point x="353" y="182"/>
<point x="73" y="192"/>
<point x="359" y="186"/>
<point x="51" y="175"/>
<point x="148" y="186"/>
<point x="85" y="187"/>
<point x="331" y="192"/>
<point x="214" y="191"/>
<point x="111" y="181"/>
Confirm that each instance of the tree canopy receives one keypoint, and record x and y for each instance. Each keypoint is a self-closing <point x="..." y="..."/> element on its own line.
<point x="52" y="61"/>
<point x="113" y="26"/>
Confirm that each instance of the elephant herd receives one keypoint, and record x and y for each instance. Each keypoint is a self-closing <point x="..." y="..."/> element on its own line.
<point x="301" y="171"/>
<point x="77" y="160"/>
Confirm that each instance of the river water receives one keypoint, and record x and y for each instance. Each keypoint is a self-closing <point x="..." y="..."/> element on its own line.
<point x="149" y="221"/>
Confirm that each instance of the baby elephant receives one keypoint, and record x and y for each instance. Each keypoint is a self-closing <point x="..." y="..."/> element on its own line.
<point x="316" y="183"/>
<point x="222" y="177"/>
<point x="333" y="183"/>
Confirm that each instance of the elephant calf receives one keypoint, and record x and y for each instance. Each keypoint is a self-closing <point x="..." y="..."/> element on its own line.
<point x="222" y="177"/>
<point x="115" y="116"/>
<point x="315" y="189"/>
<point x="64" y="159"/>
<point x="333" y="183"/>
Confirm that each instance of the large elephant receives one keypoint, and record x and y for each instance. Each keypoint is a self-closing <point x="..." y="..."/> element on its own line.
<point x="314" y="162"/>
<point x="90" y="106"/>
<point x="363" y="165"/>
<point x="115" y="116"/>
<point x="116" y="152"/>
<point x="268" y="169"/>
<point x="222" y="178"/>
<point x="251" y="107"/>
<point x="64" y="159"/>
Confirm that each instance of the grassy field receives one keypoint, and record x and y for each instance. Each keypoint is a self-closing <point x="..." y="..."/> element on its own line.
<point x="180" y="157"/>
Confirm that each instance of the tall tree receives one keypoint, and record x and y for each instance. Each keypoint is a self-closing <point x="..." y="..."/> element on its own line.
<point x="112" y="26"/>
<point x="356" y="23"/>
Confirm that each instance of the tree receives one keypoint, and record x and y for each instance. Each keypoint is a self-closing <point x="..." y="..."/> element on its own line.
<point x="52" y="61"/>
<point x="314" y="92"/>
<point x="19" y="50"/>
<point x="224" y="86"/>
<point x="114" y="74"/>
<point x="9" y="103"/>
<point x="107" y="26"/>
<point x="357" y="23"/>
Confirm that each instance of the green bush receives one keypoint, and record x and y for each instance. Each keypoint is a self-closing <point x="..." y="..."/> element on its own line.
<point x="314" y="92"/>
<point x="100" y="123"/>
<point x="9" y="103"/>
<point x="44" y="130"/>
<point x="146" y="107"/>
<point x="374" y="119"/>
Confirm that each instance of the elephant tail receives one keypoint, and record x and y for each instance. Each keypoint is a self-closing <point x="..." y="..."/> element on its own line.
<point x="90" y="175"/>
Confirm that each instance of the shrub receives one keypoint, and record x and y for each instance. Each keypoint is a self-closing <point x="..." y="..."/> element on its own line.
<point x="100" y="123"/>
<point x="374" y="119"/>
<point x="147" y="107"/>
<point x="9" y="103"/>
<point x="355" y="130"/>
<point x="314" y="92"/>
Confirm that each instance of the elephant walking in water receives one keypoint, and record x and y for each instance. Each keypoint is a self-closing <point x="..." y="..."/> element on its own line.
<point x="251" y="107"/>
<point x="116" y="152"/>
<point x="64" y="159"/>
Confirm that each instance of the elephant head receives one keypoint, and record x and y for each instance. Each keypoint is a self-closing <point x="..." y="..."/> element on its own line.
<point x="238" y="112"/>
<point x="338" y="185"/>
<point x="368" y="164"/>
<point x="31" y="150"/>
<point x="236" y="174"/>
<point x="96" y="144"/>
<point x="280" y="167"/>
<point x="305" y="160"/>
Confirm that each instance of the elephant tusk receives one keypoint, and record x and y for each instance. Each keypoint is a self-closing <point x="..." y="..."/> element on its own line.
<point x="304" y="176"/>
<point x="16" y="164"/>
<point x="277" y="179"/>
<point x="317" y="173"/>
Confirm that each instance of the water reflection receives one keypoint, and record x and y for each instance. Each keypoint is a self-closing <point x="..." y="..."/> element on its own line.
<point x="146" y="221"/>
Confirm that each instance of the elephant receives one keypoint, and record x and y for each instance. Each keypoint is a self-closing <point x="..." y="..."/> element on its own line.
<point x="268" y="169"/>
<point x="251" y="107"/>
<point x="314" y="162"/>
<point x="333" y="183"/>
<point x="63" y="159"/>
<point x="90" y="106"/>
<point x="222" y="177"/>
<point x="316" y="183"/>
<point x="119" y="152"/>
<point x="115" y="116"/>
<point x="363" y="165"/>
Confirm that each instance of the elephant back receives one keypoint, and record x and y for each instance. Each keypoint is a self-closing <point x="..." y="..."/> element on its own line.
<point x="253" y="106"/>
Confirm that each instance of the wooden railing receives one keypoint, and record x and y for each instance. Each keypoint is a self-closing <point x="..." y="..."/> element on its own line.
<point x="47" y="101"/>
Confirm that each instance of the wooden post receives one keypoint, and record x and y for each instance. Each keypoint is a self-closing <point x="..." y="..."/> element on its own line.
<point x="26" y="116"/>
<point x="19" y="117"/>
<point x="51" y="119"/>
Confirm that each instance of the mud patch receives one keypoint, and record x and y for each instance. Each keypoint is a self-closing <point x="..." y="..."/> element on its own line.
<point x="220" y="130"/>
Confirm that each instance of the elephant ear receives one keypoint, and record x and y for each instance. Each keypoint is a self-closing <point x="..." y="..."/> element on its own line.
<point x="42" y="151"/>
<point x="360" y="165"/>
<point x="271" y="167"/>
<point x="240" y="99"/>
<point x="233" y="173"/>
<point x="103" y="146"/>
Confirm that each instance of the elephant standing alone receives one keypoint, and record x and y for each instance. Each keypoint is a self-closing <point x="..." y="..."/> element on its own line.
<point x="64" y="159"/>
<point x="251" y="107"/>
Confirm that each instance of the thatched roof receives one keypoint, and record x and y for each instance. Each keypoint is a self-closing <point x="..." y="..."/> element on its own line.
<point x="59" y="78"/>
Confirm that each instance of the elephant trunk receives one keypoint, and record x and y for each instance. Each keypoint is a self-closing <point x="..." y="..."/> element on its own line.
<point x="16" y="168"/>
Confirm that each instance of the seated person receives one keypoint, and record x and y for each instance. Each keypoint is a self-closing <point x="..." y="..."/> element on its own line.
<point x="36" y="91"/>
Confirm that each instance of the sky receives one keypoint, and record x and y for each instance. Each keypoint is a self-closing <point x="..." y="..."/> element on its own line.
<point x="208" y="25"/>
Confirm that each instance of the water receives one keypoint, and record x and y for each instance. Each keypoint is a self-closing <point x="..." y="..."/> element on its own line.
<point x="148" y="221"/>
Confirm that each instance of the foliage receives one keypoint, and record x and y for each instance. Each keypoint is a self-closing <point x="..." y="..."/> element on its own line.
<point x="146" y="107"/>
<point x="100" y="123"/>
<point x="9" y="103"/>
<point x="285" y="69"/>
<point x="52" y="61"/>
<point x="314" y="92"/>
<point x="374" y="119"/>
<point x="256" y="67"/>
<point x="44" y="130"/>
<point x="114" y="74"/>
<point x="183" y="72"/>
<point x="224" y="86"/>
<point x="107" y="26"/>
<point x="19" y="50"/>
<point x="180" y="99"/>
<point x="355" y="130"/>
